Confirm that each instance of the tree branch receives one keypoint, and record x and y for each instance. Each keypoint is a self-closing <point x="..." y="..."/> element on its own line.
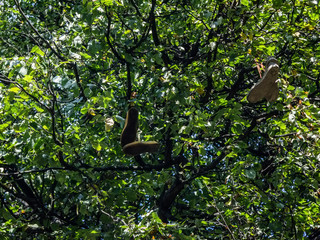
<point x="7" y="80"/>
<point x="156" y="40"/>
<point x="167" y="198"/>
<point x="37" y="32"/>
<point x="107" y="35"/>
<point x="240" y="80"/>
<point x="147" y="167"/>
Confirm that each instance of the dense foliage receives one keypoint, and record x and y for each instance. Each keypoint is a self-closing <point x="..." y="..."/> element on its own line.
<point x="226" y="168"/>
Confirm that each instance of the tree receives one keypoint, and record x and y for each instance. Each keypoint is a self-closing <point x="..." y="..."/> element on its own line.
<point x="226" y="168"/>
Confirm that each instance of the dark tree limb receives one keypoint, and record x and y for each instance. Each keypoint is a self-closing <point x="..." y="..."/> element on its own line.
<point x="240" y="80"/>
<point x="156" y="40"/>
<point x="129" y="84"/>
<point x="168" y="147"/>
<point x="23" y="191"/>
<point x="146" y="167"/>
<point x="78" y="81"/>
<point x="266" y="22"/>
<point x="317" y="80"/>
<point x="107" y="35"/>
<point x="167" y="198"/>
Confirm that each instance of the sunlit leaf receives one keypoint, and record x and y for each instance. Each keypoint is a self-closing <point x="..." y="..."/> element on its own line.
<point x="37" y="50"/>
<point x="14" y="89"/>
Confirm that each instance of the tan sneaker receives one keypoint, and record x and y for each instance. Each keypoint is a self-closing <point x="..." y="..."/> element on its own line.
<point x="267" y="87"/>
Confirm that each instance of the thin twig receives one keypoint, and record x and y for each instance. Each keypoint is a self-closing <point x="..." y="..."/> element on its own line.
<point x="7" y="80"/>
<point x="147" y="167"/>
<point x="219" y="212"/>
<point x="37" y="32"/>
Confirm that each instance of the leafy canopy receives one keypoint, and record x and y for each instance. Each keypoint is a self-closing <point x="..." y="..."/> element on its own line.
<point x="226" y="169"/>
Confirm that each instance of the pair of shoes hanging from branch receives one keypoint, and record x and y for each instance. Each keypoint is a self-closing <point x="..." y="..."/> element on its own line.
<point x="267" y="87"/>
<point x="128" y="137"/>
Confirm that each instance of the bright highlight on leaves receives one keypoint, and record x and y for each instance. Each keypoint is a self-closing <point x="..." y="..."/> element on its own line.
<point x="14" y="89"/>
<point x="107" y="2"/>
<point x="37" y="50"/>
<point x="245" y="2"/>
<point x="97" y="146"/>
<point x="109" y="124"/>
<point x="91" y="112"/>
<point x="28" y="78"/>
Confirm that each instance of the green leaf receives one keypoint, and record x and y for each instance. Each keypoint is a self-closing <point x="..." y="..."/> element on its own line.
<point x="39" y="109"/>
<point x="245" y="2"/>
<point x="132" y="196"/>
<point x="14" y="89"/>
<point x="290" y="88"/>
<point x="236" y="129"/>
<point x="37" y="50"/>
<point x="10" y="158"/>
<point x="282" y="125"/>
<point x="250" y="173"/>
<point x="97" y="146"/>
<point x="28" y="78"/>
<point x="107" y="2"/>
<point x="85" y="55"/>
<point x="4" y="125"/>
<point x="5" y="214"/>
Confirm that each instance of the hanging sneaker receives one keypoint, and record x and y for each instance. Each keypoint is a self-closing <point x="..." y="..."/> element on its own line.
<point x="267" y="87"/>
